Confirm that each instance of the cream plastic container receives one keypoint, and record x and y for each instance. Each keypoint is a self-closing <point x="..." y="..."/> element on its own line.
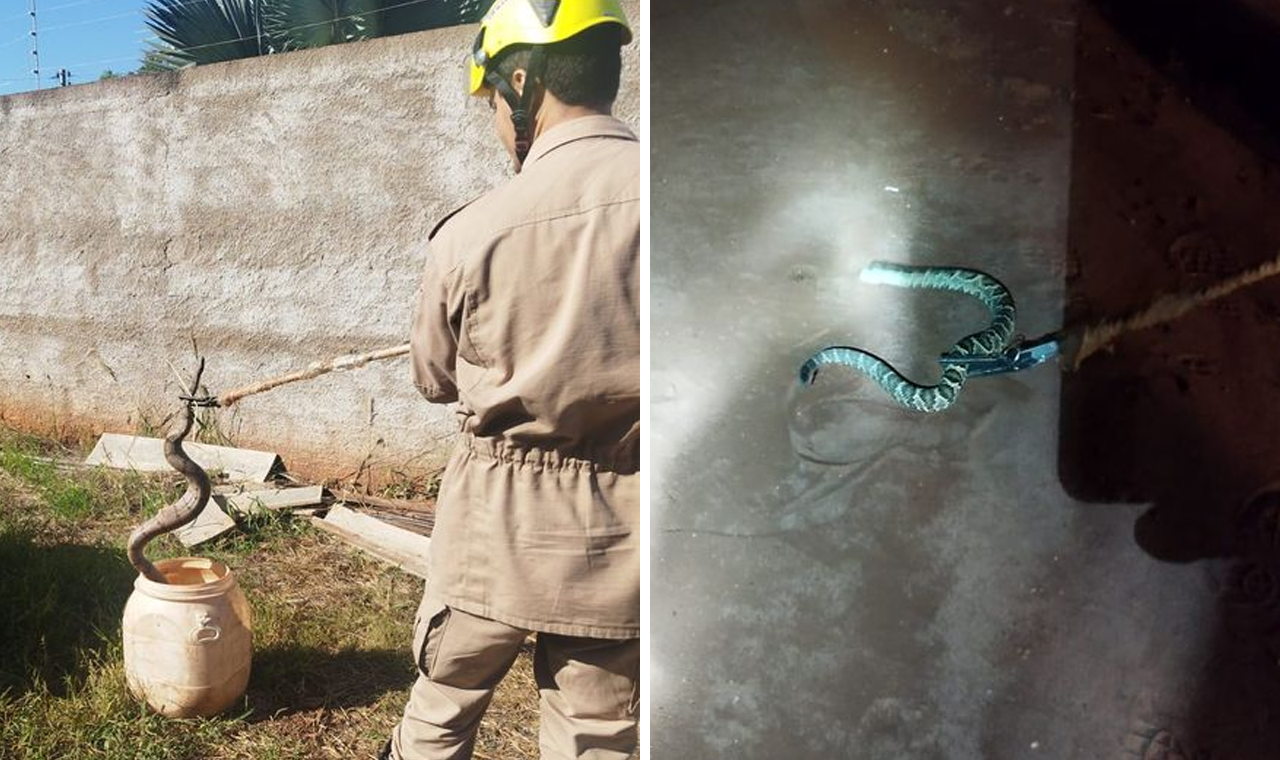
<point x="188" y="643"/>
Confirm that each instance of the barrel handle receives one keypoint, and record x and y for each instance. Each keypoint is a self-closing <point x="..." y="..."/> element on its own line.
<point x="207" y="633"/>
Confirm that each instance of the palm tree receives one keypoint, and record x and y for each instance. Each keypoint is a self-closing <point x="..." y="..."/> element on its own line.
<point x="193" y="32"/>
<point x="400" y="17"/>
<point x="204" y="31"/>
<point x="316" y="23"/>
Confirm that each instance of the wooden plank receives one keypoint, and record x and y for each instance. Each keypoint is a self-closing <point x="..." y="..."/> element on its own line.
<point x="403" y="505"/>
<point x="129" y="452"/>
<point x="415" y="522"/>
<point x="407" y="551"/>
<point x="251" y="502"/>
<point x="209" y="524"/>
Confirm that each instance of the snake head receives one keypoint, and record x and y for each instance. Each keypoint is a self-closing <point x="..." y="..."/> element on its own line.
<point x="808" y="373"/>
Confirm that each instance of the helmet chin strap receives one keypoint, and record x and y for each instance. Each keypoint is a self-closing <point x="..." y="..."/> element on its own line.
<point x="521" y="104"/>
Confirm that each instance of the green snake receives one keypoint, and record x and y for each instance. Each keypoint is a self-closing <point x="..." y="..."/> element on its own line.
<point x="988" y="342"/>
<point x="182" y="511"/>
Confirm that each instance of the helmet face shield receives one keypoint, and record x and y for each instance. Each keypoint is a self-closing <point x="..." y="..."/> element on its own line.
<point x="476" y="65"/>
<point x="479" y="102"/>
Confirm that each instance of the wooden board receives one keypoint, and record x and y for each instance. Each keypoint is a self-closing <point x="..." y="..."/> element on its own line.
<point x="129" y="452"/>
<point x="209" y="524"/>
<point x="251" y="502"/>
<point x="407" y="551"/>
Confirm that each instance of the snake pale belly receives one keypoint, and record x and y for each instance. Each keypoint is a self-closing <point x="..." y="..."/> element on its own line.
<point x="180" y="512"/>
<point x="990" y="341"/>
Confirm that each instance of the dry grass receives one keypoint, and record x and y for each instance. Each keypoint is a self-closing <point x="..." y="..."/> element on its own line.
<point x="332" y="628"/>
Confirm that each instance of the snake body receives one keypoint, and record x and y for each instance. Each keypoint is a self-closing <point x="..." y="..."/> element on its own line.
<point x="990" y="341"/>
<point x="180" y="512"/>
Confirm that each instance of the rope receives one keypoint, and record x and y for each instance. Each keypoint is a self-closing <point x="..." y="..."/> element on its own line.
<point x="1167" y="308"/>
<point x="206" y="45"/>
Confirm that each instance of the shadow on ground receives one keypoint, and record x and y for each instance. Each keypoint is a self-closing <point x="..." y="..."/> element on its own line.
<point x="1174" y="185"/>
<point x="1172" y="191"/>
<point x="292" y="679"/>
<point x="61" y="604"/>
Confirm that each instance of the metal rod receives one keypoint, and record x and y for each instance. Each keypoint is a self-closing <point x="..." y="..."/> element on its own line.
<point x="257" y="22"/>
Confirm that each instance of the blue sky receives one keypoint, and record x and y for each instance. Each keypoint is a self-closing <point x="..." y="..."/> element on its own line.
<point x="86" y="36"/>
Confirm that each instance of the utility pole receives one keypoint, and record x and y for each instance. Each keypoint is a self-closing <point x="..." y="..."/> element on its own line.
<point x="35" y="42"/>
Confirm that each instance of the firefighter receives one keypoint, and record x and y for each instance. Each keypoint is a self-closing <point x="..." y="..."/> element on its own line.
<point x="528" y="319"/>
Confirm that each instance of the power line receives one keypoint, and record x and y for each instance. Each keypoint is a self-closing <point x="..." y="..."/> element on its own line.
<point x="138" y="11"/>
<point x="72" y="5"/>
<point x="257" y="24"/>
<point x="91" y="21"/>
<point x="246" y="38"/>
<point x="51" y="9"/>
<point x="126" y="14"/>
<point x="250" y="37"/>
<point x="16" y="40"/>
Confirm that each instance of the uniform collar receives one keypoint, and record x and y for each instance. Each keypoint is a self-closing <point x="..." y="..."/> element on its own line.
<point x="577" y="129"/>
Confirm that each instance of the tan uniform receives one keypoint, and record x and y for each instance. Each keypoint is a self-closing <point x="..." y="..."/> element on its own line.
<point x="528" y="317"/>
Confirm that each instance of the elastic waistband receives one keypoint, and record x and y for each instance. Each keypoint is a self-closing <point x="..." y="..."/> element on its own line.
<point x="622" y="459"/>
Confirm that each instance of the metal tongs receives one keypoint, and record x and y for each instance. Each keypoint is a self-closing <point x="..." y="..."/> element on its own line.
<point x="1021" y="354"/>
<point x="1075" y="344"/>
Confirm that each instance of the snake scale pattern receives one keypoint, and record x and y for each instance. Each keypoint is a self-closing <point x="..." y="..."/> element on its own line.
<point x="990" y="341"/>
<point x="180" y="512"/>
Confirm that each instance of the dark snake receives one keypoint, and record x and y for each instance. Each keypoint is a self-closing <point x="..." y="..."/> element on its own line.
<point x="182" y="511"/>
<point x="990" y="341"/>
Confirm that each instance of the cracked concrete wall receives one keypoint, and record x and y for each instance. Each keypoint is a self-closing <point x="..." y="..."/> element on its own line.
<point x="273" y="210"/>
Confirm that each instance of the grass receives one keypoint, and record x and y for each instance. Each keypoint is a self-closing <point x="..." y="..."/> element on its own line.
<point x="64" y="498"/>
<point x="331" y="668"/>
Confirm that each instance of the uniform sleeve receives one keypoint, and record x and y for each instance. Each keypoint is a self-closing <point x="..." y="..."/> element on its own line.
<point x="437" y="323"/>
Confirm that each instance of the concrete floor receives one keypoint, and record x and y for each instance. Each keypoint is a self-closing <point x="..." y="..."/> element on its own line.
<point x="831" y="577"/>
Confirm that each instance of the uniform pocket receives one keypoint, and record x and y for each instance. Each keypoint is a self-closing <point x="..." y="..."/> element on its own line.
<point x="428" y="630"/>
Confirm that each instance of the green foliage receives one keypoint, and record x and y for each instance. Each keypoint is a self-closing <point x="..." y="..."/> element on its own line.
<point x="73" y="594"/>
<point x="97" y="718"/>
<point x="260" y="529"/>
<point x="331" y="630"/>
<point x="21" y="461"/>
<point x="205" y="31"/>
<point x="318" y="646"/>
<point x="316" y="23"/>
<point x="401" y="17"/>
<point x="193" y="32"/>
<point x="154" y="62"/>
<point x="65" y="497"/>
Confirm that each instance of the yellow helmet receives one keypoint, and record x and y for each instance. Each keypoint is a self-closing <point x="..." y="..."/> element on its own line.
<point x="536" y="22"/>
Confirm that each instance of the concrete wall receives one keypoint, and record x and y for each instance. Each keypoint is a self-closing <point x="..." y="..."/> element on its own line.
<point x="272" y="210"/>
